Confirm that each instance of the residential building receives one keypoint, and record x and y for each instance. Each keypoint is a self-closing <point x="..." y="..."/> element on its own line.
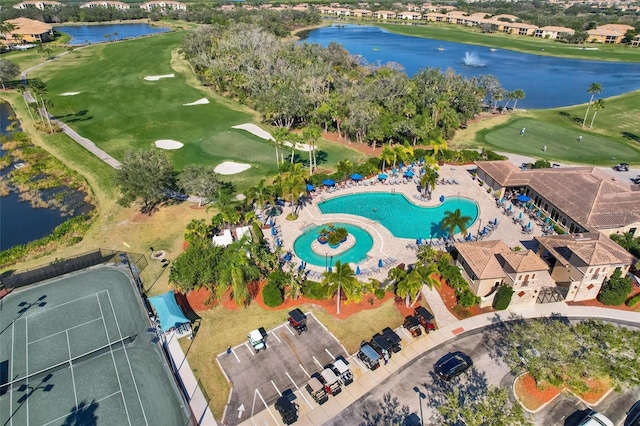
<point x="581" y="263"/>
<point x="362" y="13"/>
<point x="608" y="34"/>
<point x="409" y="16"/>
<point x="517" y="28"/>
<point x="552" y="32"/>
<point x="578" y="199"/>
<point x="436" y="17"/>
<point x="38" y="4"/>
<point x="384" y="14"/>
<point x="27" y="31"/>
<point x="163" y="5"/>
<point x="114" y="4"/>
<point x="488" y="264"/>
<point x="636" y="41"/>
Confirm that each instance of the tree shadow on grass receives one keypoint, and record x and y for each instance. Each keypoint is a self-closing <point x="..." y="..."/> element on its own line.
<point x="630" y="136"/>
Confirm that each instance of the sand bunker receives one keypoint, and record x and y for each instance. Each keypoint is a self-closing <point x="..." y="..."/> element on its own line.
<point x="168" y="144"/>
<point x="231" y="168"/>
<point x="299" y="146"/>
<point x="202" y="101"/>
<point x="255" y="130"/>
<point x="158" y="77"/>
<point x="69" y="93"/>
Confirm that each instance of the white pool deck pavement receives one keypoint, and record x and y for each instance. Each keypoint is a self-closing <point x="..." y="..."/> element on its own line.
<point x="385" y="245"/>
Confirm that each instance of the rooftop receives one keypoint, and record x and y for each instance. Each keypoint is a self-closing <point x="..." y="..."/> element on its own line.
<point x="593" y="248"/>
<point x="487" y="259"/>
<point x="29" y="26"/>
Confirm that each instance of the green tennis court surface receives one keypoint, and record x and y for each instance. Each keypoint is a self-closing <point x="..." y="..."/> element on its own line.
<point x="76" y="350"/>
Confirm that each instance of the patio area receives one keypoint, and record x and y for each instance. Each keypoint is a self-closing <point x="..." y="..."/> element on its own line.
<point x="388" y="250"/>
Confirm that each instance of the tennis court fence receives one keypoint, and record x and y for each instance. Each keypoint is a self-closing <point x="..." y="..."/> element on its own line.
<point x="136" y="263"/>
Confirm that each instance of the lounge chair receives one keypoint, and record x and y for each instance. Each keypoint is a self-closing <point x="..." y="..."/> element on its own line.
<point x="455" y="182"/>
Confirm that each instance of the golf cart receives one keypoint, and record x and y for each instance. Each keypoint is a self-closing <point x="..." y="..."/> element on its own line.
<point x="369" y="356"/>
<point x="412" y="325"/>
<point x="331" y="381"/>
<point x="258" y="339"/>
<point x="393" y="339"/>
<point x="287" y="409"/>
<point x="425" y="318"/>
<point x="317" y="390"/>
<point x="380" y="345"/>
<point x="298" y="320"/>
<point x="341" y="368"/>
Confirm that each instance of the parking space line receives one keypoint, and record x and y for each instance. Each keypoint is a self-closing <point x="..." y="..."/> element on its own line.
<point x="250" y="350"/>
<point x="276" y="336"/>
<point x="330" y="354"/>
<point x="234" y="354"/>
<point x="360" y="363"/>
<point x="306" y="400"/>
<point x="404" y="330"/>
<point x="294" y="383"/>
<point x="289" y="330"/>
<point x="265" y="404"/>
<point x="305" y="371"/>
<point x="277" y="390"/>
<point x="317" y="362"/>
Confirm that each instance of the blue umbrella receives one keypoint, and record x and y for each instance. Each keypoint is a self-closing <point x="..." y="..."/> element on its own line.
<point x="538" y="213"/>
<point x="408" y="173"/>
<point x="303" y="264"/>
<point x="529" y="225"/>
<point x="271" y="221"/>
<point x="495" y="221"/>
<point x="520" y="217"/>
<point x="442" y="198"/>
<point x="395" y="171"/>
<point x="382" y="176"/>
<point x="380" y="264"/>
<point x="328" y="182"/>
<point x="484" y="230"/>
<point x="401" y="165"/>
<point x="357" y="270"/>
<point x="356" y="176"/>
<point x="502" y="200"/>
<point x="510" y="207"/>
<point x="273" y="231"/>
<point x="469" y="237"/>
<point x="278" y="242"/>
<point x="310" y="187"/>
<point x="546" y="219"/>
<point x="287" y="257"/>
<point x="419" y="241"/>
<point x="523" y="198"/>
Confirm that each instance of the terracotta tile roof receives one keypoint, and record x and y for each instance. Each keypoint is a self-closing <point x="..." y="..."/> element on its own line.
<point x="26" y="26"/>
<point x="593" y="248"/>
<point x="558" y="29"/>
<point x="588" y="195"/>
<point x="524" y="261"/>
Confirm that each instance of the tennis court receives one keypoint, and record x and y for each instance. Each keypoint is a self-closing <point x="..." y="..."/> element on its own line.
<point x="77" y="350"/>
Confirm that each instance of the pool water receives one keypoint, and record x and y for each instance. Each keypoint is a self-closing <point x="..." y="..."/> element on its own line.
<point x="355" y="254"/>
<point x="400" y="216"/>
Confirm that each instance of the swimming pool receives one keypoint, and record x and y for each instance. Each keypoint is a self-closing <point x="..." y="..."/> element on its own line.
<point x="400" y="216"/>
<point x="355" y="254"/>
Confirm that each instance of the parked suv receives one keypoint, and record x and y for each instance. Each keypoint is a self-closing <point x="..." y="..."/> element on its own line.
<point x="633" y="416"/>
<point x="593" y="418"/>
<point x="393" y="339"/>
<point x="287" y="409"/>
<point x="369" y="356"/>
<point x="452" y="364"/>
<point x="636" y="180"/>
<point x="621" y="167"/>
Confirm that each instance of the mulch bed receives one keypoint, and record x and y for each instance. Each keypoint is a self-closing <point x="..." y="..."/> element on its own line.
<point x="533" y="396"/>
<point x="596" y="303"/>
<point x="448" y="295"/>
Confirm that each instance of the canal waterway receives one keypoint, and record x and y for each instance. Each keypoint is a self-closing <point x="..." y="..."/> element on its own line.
<point x="547" y="81"/>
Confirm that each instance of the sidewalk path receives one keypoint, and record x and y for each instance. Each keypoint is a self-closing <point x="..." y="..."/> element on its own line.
<point x="412" y="348"/>
<point x="438" y="308"/>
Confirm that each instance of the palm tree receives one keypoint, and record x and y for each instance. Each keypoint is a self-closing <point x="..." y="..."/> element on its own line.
<point x="293" y="183"/>
<point x="236" y="269"/>
<point x="402" y="153"/>
<point x="311" y="136"/>
<point x="386" y="156"/>
<point x="280" y="135"/>
<point x="593" y="89"/>
<point x="410" y="286"/>
<point x="428" y="180"/>
<point x="453" y="220"/>
<point x="344" y="167"/>
<point x="260" y="194"/>
<point x="517" y="95"/>
<point x="21" y="88"/>
<point x="597" y="106"/>
<point x="438" y="144"/>
<point x="343" y="280"/>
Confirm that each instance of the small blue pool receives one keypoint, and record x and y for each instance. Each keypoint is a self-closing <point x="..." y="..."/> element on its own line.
<point x="400" y="216"/>
<point x="355" y="254"/>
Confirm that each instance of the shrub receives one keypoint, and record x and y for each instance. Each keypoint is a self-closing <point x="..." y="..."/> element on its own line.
<point x="615" y="291"/>
<point x="633" y="301"/>
<point x="379" y="293"/>
<point x="272" y="295"/>
<point x="542" y="164"/>
<point x="278" y="278"/>
<point x="315" y="290"/>
<point x="503" y="297"/>
<point x="466" y="298"/>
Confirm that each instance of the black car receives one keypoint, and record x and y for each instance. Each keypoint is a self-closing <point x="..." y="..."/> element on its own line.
<point x="393" y="339"/>
<point x="287" y="409"/>
<point x="621" y="167"/>
<point x="633" y="416"/>
<point x="452" y="364"/>
<point x="636" y="180"/>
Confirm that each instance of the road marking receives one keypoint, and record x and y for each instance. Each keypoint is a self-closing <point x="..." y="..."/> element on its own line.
<point x="330" y="354"/>
<point x="294" y="383"/>
<point x="361" y="364"/>
<point x="292" y="333"/>
<point x="404" y="330"/>
<point x="240" y="410"/>
<point x="265" y="404"/>
<point x="306" y="400"/>
<point x="276" y="336"/>
<point x="317" y="362"/>
<point x="250" y="349"/>
<point x="235" y="354"/>
<point x="305" y="371"/>
<point x="277" y="390"/>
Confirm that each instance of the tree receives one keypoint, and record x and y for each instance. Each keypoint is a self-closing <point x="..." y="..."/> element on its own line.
<point x="200" y="181"/>
<point x="280" y="136"/>
<point x="542" y="164"/>
<point x="597" y="106"/>
<point x="593" y="89"/>
<point x="386" y="156"/>
<point x="428" y="180"/>
<point x="8" y="71"/>
<point x="615" y="291"/>
<point x="311" y="136"/>
<point x="343" y="280"/>
<point x="197" y="230"/>
<point x="144" y="176"/>
<point x="453" y="220"/>
<point x="39" y="88"/>
<point x="236" y="270"/>
<point x="344" y="167"/>
<point x="402" y="153"/>
<point x="195" y="267"/>
<point x="517" y="95"/>
<point x="260" y="194"/>
<point x="410" y="285"/>
<point x="293" y="183"/>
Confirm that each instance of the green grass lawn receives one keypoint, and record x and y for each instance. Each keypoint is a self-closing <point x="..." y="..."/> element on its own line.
<point x="528" y="44"/>
<point x="119" y="110"/>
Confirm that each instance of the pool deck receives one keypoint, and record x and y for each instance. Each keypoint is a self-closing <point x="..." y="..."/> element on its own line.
<point x="385" y="244"/>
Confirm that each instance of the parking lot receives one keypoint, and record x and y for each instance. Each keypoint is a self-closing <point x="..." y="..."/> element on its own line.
<point x="258" y="379"/>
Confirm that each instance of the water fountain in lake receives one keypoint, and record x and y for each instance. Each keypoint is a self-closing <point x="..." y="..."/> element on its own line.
<point x="473" y="60"/>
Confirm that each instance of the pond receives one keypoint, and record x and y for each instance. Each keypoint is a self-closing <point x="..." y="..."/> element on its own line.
<point x="547" y="81"/>
<point x="91" y="34"/>
<point x="20" y="223"/>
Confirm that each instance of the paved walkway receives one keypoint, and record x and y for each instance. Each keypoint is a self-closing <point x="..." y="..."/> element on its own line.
<point x="366" y="381"/>
<point x="437" y="306"/>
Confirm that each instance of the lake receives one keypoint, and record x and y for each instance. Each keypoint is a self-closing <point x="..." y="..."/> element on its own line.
<point x="19" y="222"/>
<point x="90" y="34"/>
<point x="547" y="81"/>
